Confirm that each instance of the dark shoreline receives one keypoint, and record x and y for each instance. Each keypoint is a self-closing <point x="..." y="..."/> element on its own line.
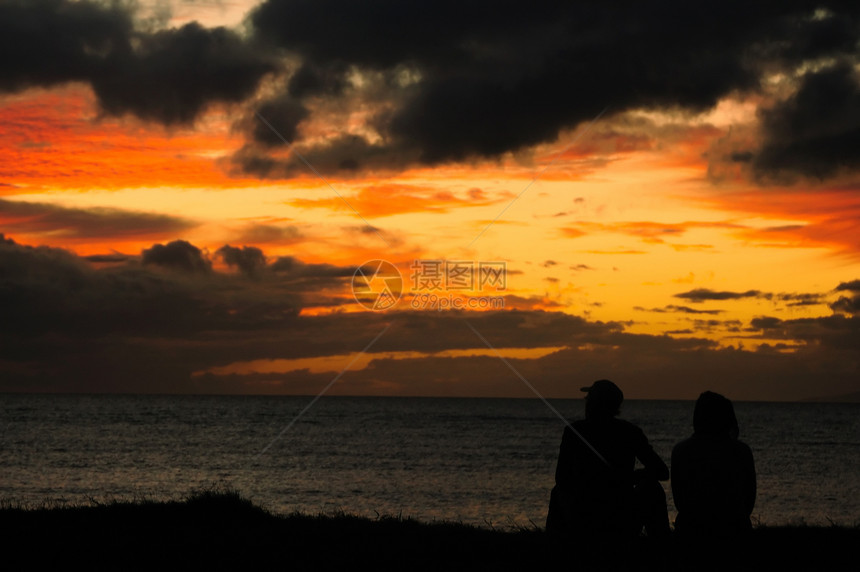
<point x="222" y="530"/>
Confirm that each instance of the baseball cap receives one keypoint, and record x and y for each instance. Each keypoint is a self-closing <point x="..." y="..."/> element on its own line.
<point x="605" y="392"/>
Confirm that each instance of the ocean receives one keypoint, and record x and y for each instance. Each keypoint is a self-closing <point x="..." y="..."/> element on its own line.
<point x="485" y="462"/>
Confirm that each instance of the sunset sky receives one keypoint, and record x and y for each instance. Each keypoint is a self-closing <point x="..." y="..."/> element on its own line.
<point x="188" y="187"/>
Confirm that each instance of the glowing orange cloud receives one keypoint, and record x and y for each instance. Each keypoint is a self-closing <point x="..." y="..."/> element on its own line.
<point x="53" y="140"/>
<point x="824" y="218"/>
<point x="672" y="146"/>
<point x="647" y="231"/>
<point x="391" y="198"/>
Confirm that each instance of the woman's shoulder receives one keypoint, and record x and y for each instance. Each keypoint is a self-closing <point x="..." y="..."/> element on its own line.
<point x="684" y="445"/>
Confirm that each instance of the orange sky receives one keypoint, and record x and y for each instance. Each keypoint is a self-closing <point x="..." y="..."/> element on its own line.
<point x="631" y="220"/>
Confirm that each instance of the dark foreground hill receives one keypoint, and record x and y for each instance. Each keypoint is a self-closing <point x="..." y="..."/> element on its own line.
<point x="218" y="530"/>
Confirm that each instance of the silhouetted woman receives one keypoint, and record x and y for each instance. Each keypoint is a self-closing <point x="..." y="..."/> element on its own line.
<point x="713" y="475"/>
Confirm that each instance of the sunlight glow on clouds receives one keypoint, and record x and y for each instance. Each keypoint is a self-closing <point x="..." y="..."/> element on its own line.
<point x="709" y="216"/>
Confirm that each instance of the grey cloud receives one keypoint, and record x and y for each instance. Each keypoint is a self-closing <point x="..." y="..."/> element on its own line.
<point x="125" y="327"/>
<point x="836" y="331"/>
<point x="177" y="255"/>
<point x="271" y="233"/>
<point x="96" y="222"/>
<point x="249" y="259"/>
<point x="50" y="290"/>
<point x="679" y="309"/>
<point x="845" y="304"/>
<point x="704" y="294"/>
<point x="277" y="122"/>
<point x="169" y="76"/>
<point x="346" y="154"/>
<point x="312" y="80"/>
<point x="108" y="258"/>
<point x="699" y="295"/>
<point x="485" y="81"/>
<point x="455" y="82"/>
<point x="71" y="326"/>
<point x="852" y="286"/>
<point x="49" y="42"/>
<point x="815" y="132"/>
<point x="292" y="266"/>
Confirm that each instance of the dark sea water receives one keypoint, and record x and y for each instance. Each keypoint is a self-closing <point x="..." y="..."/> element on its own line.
<point x="488" y="462"/>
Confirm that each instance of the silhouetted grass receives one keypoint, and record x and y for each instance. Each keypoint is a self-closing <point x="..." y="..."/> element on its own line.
<point x="223" y="530"/>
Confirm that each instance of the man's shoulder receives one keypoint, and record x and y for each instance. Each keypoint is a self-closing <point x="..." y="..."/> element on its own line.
<point x="611" y="425"/>
<point x="627" y="427"/>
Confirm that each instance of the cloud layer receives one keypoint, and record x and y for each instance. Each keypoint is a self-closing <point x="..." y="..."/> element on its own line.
<point x="76" y="223"/>
<point x="158" y="322"/>
<point x="406" y="85"/>
<point x="168" y="76"/>
<point x="455" y="83"/>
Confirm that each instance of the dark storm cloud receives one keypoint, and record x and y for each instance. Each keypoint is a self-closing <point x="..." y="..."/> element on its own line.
<point x="250" y="260"/>
<point x="177" y="255"/>
<point x="311" y="80"/>
<point x="271" y="233"/>
<point x="714" y="325"/>
<point x="286" y="112"/>
<point x="691" y="366"/>
<point x="700" y="295"/>
<point x="816" y="131"/>
<point x="108" y="258"/>
<point x="26" y="217"/>
<point x="346" y="154"/>
<point x="70" y="326"/>
<point x="806" y="299"/>
<point x="48" y="42"/>
<point x="508" y="329"/>
<point x="852" y="286"/>
<point x="765" y="323"/>
<point x="476" y="80"/>
<point x="448" y="82"/>
<point x="845" y="304"/>
<point x="694" y="367"/>
<point x="678" y="309"/>
<point x="168" y="76"/>
<point x="836" y="331"/>
<point x="293" y="267"/>
<point x="50" y="290"/>
<point x="704" y="294"/>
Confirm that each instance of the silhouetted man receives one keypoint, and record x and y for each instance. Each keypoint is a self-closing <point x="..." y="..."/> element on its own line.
<point x="597" y="492"/>
<point x="713" y="474"/>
